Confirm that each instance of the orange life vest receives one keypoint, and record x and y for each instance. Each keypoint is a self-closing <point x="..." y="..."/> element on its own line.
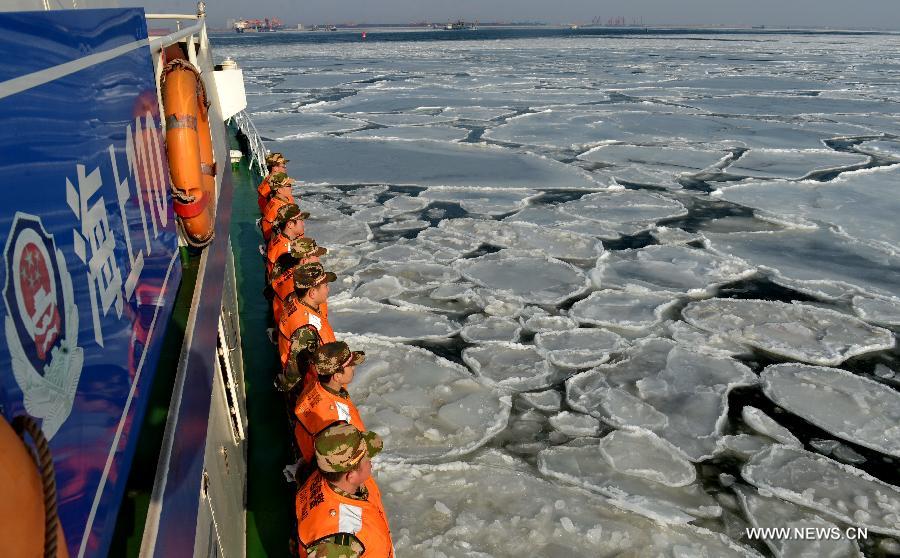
<point x="296" y="315"/>
<point x="283" y="285"/>
<point x="271" y="212"/>
<point x="322" y="512"/>
<point x="316" y="409"/>
<point x="277" y="247"/>
<point x="263" y="191"/>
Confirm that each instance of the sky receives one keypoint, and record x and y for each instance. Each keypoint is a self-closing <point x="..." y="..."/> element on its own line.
<point x="884" y="14"/>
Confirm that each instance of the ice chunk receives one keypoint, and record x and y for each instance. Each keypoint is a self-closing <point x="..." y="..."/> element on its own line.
<point x="579" y="348"/>
<point x="863" y="203"/>
<point x="678" y="269"/>
<point x="338" y="230"/>
<point x="644" y="454"/>
<point x="398" y="253"/>
<point x="502" y="512"/>
<point x="819" y="261"/>
<point x="626" y="211"/>
<point x="480" y="328"/>
<point x="428" y="163"/>
<point x="629" y="310"/>
<point x="588" y="466"/>
<point x="379" y="289"/>
<point x="414" y="133"/>
<point x="412" y="275"/>
<point x="371" y="215"/>
<point x="476" y="113"/>
<point x="680" y="395"/>
<point x="848" y="406"/>
<point x="799" y="331"/>
<point x="881" y="148"/>
<point x="501" y="304"/>
<point x="671" y="235"/>
<point x="547" y="401"/>
<point x="528" y="237"/>
<point x="774" y="513"/>
<point x="480" y="201"/>
<point x="552" y="218"/>
<point x="765" y="425"/>
<point x="835" y="489"/>
<point x="406" y="225"/>
<point x="575" y="424"/>
<point x="704" y="342"/>
<point x="537" y="280"/>
<point x="341" y="258"/>
<point x="791" y="164"/>
<point x="509" y="365"/>
<point x="884" y="311"/>
<point x="656" y="165"/>
<point x="425" y="407"/>
<point x="744" y="446"/>
<point x="361" y="316"/>
<point x="290" y="125"/>
<point x="544" y="322"/>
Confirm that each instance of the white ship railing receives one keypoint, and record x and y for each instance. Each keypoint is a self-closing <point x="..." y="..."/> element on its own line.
<point x="257" y="147"/>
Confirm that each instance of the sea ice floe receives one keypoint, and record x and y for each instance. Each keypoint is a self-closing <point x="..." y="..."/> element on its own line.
<point x="791" y="164"/>
<point x="405" y="225"/>
<point x="480" y="329"/>
<point x="548" y="401"/>
<point x="541" y="322"/>
<point x="819" y="261"/>
<point x="863" y="204"/>
<point x="837" y="490"/>
<point x="414" y="133"/>
<point x="537" y="280"/>
<point x="475" y="113"/>
<point x="762" y="423"/>
<point x="848" y="406"/>
<point x="799" y="331"/>
<point x="398" y="252"/>
<point x="428" y="163"/>
<point x="340" y="258"/>
<point x="775" y="513"/>
<point x="372" y="215"/>
<point x="465" y="303"/>
<point x="881" y="148"/>
<point x="424" y="406"/>
<point x="655" y="165"/>
<point x="287" y="125"/>
<point x="630" y="310"/>
<point x="480" y="201"/>
<point x="319" y="80"/>
<point x="670" y="235"/>
<point x="552" y="218"/>
<point x="625" y="211"/>
<point x="460" y="510"/>
<point x="338" y="230"/>
<point x="379" y="289"/>
<point x="399" y="205"/>
<point x="510" y="365"/>
<point x="413" y="275"/>
<point x="701" y="341"/>
<point x="883" y="311"/>
<point x="636" y="474"/>
<point x="528" y="237"/>
<point x="743" y="446"/>
<point x="365" y="317"/>
<point x="579" y="348"/>
<point x="680" y="395"/>
<point x="791" y="105"/>
<point x="678" y="269"/>
<point x="407" y="119"/>
<point x="575" y="424"/>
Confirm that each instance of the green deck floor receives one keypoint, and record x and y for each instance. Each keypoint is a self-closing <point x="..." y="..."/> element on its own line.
<point x="270" y="500"/>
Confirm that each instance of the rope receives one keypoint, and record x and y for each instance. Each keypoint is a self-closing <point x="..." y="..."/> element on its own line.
<point x="24" y="424"/>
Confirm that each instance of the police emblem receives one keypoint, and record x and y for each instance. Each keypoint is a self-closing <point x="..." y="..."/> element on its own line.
<point x="41" y="323"/>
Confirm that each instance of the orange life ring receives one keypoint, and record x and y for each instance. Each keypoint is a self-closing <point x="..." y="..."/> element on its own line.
<point x="189" y="148"/>
<point x="24" y="512"/>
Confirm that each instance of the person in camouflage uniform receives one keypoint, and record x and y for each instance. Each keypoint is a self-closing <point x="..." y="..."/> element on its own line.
<point x="275" y="163"/>
<point x="302" y="250"/>
<point x="326" y="399"/>
<point x="281" y="196"/>
<point x="343" y="480"/>
<point x="289" y="222"/>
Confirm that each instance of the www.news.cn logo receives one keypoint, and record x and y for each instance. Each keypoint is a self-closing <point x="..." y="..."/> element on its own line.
<point x="807" y="533"/>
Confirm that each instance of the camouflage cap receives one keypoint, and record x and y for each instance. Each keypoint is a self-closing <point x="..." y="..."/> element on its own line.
<point x="289" y="212"/>
<point x="310" y="275"/>
<point x="280" y="180"/>
<point x="275" y="159"/>
<point x="305" y="247"/>
<point x="341" y="446"/>
<point x="331" y="358"/>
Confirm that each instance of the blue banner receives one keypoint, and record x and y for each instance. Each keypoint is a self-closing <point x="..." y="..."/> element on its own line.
<point x="90" y="267"/>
